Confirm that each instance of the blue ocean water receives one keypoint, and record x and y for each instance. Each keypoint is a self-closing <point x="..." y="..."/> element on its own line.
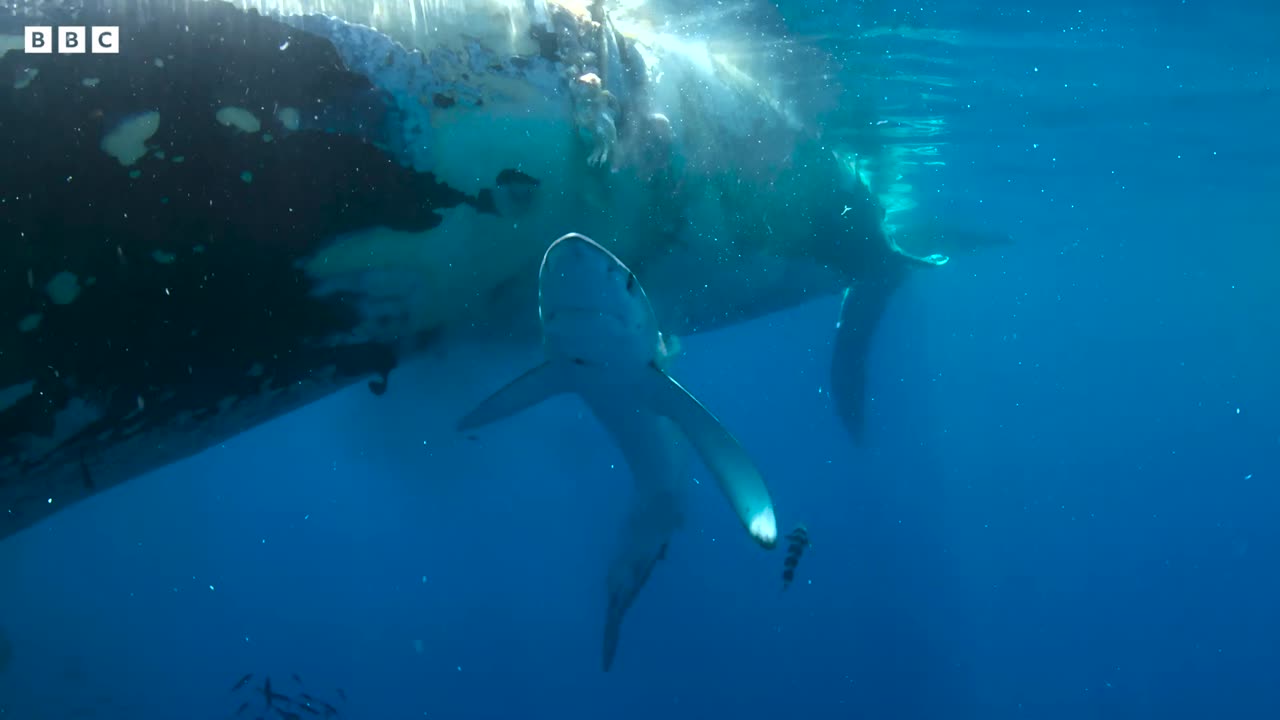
<point x="1064" y="508"/>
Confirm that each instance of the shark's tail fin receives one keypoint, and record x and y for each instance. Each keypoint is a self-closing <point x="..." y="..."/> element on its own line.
<point x="626" y="578"/>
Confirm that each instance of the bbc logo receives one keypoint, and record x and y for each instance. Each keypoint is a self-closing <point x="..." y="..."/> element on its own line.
<point x="72" y="40"/>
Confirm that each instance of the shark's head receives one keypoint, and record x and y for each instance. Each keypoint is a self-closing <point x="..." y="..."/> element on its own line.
<point x="593" y="310"/>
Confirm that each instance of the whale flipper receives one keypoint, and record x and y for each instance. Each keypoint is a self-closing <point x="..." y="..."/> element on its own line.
<point x="860" y="313"/>
<point x="861" y="308"/>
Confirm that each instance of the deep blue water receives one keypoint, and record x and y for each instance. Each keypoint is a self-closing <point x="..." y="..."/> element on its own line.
<point x="1065" y="508"/>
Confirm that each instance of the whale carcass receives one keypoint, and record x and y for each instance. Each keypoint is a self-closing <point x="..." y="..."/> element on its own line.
<point x="243" y="211"/>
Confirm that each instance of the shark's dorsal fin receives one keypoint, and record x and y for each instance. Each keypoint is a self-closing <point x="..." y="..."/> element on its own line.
<point x="542" y="382"/>
<point x="739" y="479"/>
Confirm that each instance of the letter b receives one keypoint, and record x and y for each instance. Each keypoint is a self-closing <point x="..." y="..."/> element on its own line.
<point x="39" y="39"/>
<point x="71" y="40"/>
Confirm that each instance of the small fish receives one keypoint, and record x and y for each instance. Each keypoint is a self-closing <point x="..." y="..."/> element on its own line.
<point x="242" y="682"/>
<point x="341" y="695"/>
<point x="243" y="706"/>
<point x="287" y="715"/>
<point x="266" y="692"/>
<point x="296" y="678"/>
<point x="799" y="540"/>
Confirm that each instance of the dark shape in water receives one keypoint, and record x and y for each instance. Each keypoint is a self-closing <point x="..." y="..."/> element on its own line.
<point x="511" y="176"/>
<point x="377" y="386"/>
<point x="6" y="650"/>
<point x="860" y="312"/>
<point x="620" y="602"/>
<point x="283" y="705"/>
<point x="798" y="541"/>
<point x="272" y="697"/>
<point x="146" y="299"/>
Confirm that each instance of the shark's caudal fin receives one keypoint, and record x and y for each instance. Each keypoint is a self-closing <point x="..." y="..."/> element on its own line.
<point x="627" y="577"/>
<point x="542" y="382"/>
<point x="739" y="479"/>
<point x="620" y="599"/>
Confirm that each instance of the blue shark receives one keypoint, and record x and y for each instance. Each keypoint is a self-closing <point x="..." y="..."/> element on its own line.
<point x="602" y="343"/>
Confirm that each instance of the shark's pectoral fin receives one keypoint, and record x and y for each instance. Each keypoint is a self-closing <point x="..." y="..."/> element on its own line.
<point x="542" y="382"/>
<point x="739" y="479"/>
